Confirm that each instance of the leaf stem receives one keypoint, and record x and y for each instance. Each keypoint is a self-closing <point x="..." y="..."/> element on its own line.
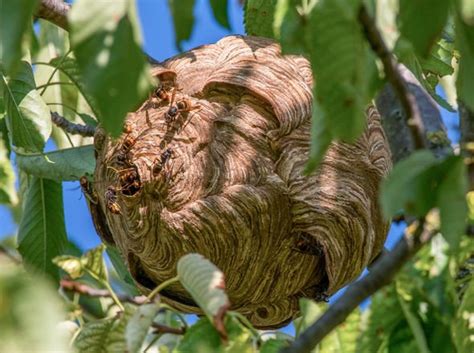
<point x="160" y="287"/>
<point x="113" y="295"/>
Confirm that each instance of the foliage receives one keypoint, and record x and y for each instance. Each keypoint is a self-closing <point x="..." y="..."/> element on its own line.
<point x="97" y="73"/>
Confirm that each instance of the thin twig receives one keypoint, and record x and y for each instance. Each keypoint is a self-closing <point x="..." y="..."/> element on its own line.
<point x="54" y="11"/>
<point x="84" y="289"/>
<point x="159" y="328"/>
<point x="381" y="275"/>
<point x="70" y="127"/>
<point x="400" y="86"/>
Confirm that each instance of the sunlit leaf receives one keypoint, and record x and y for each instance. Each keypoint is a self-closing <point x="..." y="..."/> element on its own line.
<point x="423" y="31"/>
<point x="42" y="232"/>
<point x="259" y="17"/>
<point x="104" y="38"/>
<point x="205" y="282"/>
<point x="70" y="264"/>
<point x="94" y="264"/>
<point x="8" y="193"/>
<point x="139" y="325"/>
<point x="219" y="8"/>
<point x="69" y="67"/>
<point x="61" y="165"/>
<point x="28" y="117"/>
<point x="15" y="23"/>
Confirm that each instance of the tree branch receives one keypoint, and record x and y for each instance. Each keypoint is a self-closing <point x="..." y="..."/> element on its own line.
<point x="72" y="128"/>
<point x="84" y="289"/>
<point x="158" y="328"/>
<point x="409" y="104"/>
<point x="54" y="11"/>
<point x="381" y="275"/>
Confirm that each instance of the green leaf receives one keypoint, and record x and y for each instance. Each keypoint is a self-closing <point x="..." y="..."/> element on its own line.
<point x="383" y="316"/>
<point x="93" y="336"/>
<point x="61" y="165"/>
<point x="342" y="340"/>
<point x="343" y="66"/>
<point x="205" y="282"/>
<point x="15" y="22"/>
<point x="69" y="67"/>
<point x="91" y="262"/>
<point x="42" y="232"/>
<point x="423" y="31"/>
<point x="310" y="312"/>
<point x="31" y="312"/>
<point x="219" y="9"/>
<point x="72" y="265"/>
<point x="182" y="12"/>
<point x="203" y="338"/>
<point x="103" y="38"/>
<point x="116" y="341"/>
<point x="462" y="326"/>
<point x="421" y="182"/>
<point x="452" y="201"/>
<point x="465" y="42"/>
<point x="94" y="264"/>
<point x="320" y="138"/>
<point x="290" y="28"/>
<point x="415" y="326"/>
<point x="8" y="193"/>
<point x="28" y="117"/>
<point x="409" y="186"/>
<point x="273" y="345"/>
<point x="122" y="270"/>
<point x="259" y="17"/>
<point x="139" y="325"/>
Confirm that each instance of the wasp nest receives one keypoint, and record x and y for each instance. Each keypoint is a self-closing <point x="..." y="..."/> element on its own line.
<point x="213" y="163"/>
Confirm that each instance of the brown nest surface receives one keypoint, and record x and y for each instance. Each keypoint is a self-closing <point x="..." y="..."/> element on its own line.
<point x="213" y="163"/>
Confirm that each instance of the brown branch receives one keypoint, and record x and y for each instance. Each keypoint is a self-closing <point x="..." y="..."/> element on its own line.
<point x="381" y="275"/>
<point x="408" y="101"/>
<point x="158" y="328"/>
<point x="84" y="289"/>
<point x="72" y="128"/>
<point x="54" y="11"/>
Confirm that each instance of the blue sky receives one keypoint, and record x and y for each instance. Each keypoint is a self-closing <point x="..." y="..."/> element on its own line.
<point x="159" y="40"/>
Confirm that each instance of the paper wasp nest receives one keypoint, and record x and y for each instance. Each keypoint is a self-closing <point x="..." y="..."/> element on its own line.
<point x="213" y="163"/>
